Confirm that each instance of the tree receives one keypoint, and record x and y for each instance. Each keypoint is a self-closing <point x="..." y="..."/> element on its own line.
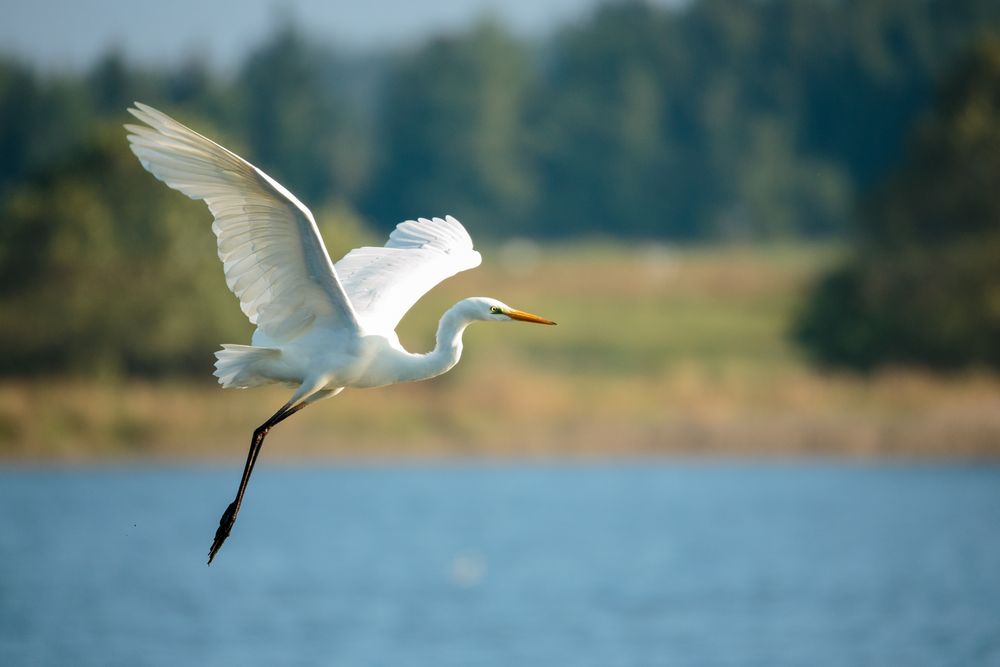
<point x="453" y="134"/>
<point x="923" y="283"/>
<point x="686" y="124"/>
<point x="295" y="122"/>
<point x="610" y="156"/>
<point x="102" y="267"/>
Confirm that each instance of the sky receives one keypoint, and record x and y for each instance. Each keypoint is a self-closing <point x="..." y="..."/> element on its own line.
<point x="72" y="34"/>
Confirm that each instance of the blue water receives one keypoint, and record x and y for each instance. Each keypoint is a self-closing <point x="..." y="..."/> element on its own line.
<point x="575" y="564"/>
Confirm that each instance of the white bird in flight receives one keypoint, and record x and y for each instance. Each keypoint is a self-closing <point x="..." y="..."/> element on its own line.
<point x="320" y="326"/>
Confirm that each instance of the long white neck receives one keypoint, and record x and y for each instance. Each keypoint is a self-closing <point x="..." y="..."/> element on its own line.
<point x="445" y="354"/>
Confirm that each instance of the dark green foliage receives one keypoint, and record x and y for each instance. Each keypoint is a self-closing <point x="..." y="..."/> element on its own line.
<point x="103" y="268"/>
<point x="924" y="283"/>
<point x="720" y="119"/>
<point x="453" y="137"/>
<point x="295" y="125"/>
<point x="734" y="119"/>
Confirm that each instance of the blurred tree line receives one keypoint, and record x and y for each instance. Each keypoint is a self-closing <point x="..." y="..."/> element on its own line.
<point x="720" y="119"/>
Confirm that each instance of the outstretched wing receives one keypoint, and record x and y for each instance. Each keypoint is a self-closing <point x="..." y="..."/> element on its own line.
<point x="272" y="251"/>
<point x="384" y="283"/>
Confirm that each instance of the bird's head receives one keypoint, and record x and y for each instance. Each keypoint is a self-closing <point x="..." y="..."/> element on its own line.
<point x="490" y="310"/>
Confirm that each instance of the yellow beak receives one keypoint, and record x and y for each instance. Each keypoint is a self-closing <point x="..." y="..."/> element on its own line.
<point x="527" y="317"/>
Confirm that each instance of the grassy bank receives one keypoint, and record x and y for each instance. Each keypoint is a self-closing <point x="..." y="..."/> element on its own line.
<point x="658" y="351"/>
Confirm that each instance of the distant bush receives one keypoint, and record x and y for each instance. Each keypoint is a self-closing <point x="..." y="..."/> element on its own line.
<point x="104" y="269"/>
<point x="923" y="284"/>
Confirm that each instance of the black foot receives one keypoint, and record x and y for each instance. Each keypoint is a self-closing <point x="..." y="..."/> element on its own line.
<point x="225" y="525"/>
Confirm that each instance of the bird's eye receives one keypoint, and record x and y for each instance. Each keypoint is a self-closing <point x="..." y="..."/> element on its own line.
<point x="495" y="310"/>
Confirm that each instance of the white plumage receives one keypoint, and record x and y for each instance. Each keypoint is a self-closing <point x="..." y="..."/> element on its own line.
<point x="384" y="283"/>
<point x="274" y="259"/>
<point x="320" y="326"/>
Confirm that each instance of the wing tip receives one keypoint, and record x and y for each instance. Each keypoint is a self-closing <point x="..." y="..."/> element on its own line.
<point x="140" y="110"/>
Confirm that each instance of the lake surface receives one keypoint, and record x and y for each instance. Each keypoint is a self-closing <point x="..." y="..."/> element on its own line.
<point x="651" y="563"/>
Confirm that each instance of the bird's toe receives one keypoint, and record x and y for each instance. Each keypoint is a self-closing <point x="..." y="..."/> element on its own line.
<point x="222" y="532"/>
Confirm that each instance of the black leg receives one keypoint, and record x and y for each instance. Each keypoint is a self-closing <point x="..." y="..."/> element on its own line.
<point x="229" y="516"/>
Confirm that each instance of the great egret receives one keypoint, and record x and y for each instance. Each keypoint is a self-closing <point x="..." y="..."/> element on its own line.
<point x="320" y="326"/>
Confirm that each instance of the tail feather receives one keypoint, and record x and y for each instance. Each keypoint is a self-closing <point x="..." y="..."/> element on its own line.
<point x="244" y="366"/>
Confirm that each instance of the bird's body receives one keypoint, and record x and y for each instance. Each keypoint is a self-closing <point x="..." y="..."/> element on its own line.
<point x="321" y="327"/>
<point x="334" y="360"/>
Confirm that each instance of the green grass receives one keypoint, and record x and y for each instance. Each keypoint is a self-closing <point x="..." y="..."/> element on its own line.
<point x="632" y="310"/>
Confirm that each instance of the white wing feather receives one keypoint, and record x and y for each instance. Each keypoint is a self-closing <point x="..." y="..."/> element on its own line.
<point x="274" y="258"/>
<point x="384" y="283"/>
